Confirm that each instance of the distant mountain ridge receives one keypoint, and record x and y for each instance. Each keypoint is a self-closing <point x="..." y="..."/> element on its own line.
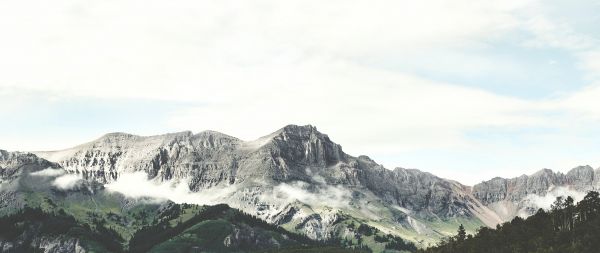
<point x="509" y="197"/>
<point x="211" y="158"/>
<point x="416" y="205"/>
<point x="39" y="215"/>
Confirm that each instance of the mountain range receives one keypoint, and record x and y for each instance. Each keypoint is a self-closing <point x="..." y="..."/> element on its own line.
<point x="296" y="178"/>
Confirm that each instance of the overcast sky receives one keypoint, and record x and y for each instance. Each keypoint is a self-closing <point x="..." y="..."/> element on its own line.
<point x="467" y="90"/>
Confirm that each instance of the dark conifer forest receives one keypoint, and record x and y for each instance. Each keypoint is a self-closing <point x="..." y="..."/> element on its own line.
<point x="566" y="228"/>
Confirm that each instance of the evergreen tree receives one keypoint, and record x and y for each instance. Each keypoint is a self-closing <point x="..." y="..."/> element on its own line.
<point x="462" y="234"/>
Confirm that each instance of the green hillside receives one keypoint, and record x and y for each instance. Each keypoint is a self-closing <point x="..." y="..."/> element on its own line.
<point x="107" y="222"/>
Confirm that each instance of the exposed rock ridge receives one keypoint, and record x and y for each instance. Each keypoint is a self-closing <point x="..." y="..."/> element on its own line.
<point x="12" y="163"/>
<point x="291" y="153"/>
<point x="581" y="178"/>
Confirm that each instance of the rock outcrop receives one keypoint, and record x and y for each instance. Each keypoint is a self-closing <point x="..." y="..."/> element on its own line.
<point x="293" y="153"/>
<point x="513" y="193"/>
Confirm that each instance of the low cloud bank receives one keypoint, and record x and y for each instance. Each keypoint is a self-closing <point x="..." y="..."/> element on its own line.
<point x="137" y="185"/>
<point x="63" y="181"/>
<point x="68" y="181"/>
<point x="545" y="202"/>
<point x="49" y="172"/>
<point x="322" y="195"/>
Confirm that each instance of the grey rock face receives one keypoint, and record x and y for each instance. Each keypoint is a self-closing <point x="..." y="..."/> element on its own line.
<point x="59" y="244"/>
<point x="419" y="191"/>
<point x="14" y="163"/>
<point x="513" y="196"/>
<point x="292" y="156"/>
<point x="289" y="154"/>
<point x="515" y="189"/>
<point x="245" y="235"/>
<point x="207" y="157"/>
<point x="581" y="178"/>
<point x="299" y="159"/>
<point x="14" y="170"/>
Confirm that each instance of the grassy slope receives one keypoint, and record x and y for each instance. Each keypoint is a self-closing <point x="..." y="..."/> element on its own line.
<point x="126" y="217"/>
<point x="107" y="209"/>
<point x="387" y="224"/>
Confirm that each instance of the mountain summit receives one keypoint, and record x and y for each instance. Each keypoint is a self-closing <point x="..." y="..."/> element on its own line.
<point x="283" y="177"/>
<point x="299" y="178"/>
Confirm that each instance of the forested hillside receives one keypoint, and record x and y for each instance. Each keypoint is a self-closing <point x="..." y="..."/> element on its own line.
<point x="180" y="228"/>
<point x="565" y="228"/>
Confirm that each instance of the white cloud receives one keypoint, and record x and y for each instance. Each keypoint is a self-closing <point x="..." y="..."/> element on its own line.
<point x="212" y="49"/>
<point x="317" y="193"/>
<point x="545" y="202"/>
<point x="68" y="181"/>
<point x="400" y="109"/>
<point x="550" y="34"/>
<point x="137" y="185"/>
<point x="255" y="66"/>
<point x="590" y="62"/>
<point x="264" y="65"/>
<point x="49" y="172"/>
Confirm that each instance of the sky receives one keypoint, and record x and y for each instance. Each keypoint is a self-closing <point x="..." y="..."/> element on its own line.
<point x="465" y="89"/>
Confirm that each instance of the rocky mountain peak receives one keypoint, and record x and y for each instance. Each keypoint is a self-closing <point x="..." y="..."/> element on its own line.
<point x="581" y="176"/>
<point x="117" y="135"/>
<point x="543" y="173"/>
<point x="305" y="146"/>
<point x="214" y="139"/>
<point x="16" y="159"/>
<point x="296" y="129"/>
<point x="580" y="171"/>
<point x="298" y="132"/>
<point x="13" y="163"/>
<point x="513" y="193"/>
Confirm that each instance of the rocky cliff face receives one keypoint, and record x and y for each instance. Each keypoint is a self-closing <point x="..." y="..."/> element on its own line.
<point x="12" y="164"/>
<point x="207" y="156"/>
<point x="15" y="167"/>
<point x="293" y="153"/>
<point x="268" y="175"/>
<point x="299" y="178"/>
<point x="514" y="192"/>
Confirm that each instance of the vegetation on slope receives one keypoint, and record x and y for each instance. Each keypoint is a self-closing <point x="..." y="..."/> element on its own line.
<point x="28" y="224"/>
<point x="168" y="228"/>
<point x="565" y="228"/>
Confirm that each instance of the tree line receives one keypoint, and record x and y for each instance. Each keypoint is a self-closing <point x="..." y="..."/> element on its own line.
<point x="566" y="227"/>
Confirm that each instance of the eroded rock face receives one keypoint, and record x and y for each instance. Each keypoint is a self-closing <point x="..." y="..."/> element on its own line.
<point x="287" y="178"/>
<point x="245" y="237"/>
<point x="46" y="244"/>
<point x="58" y="244"/>
<point x="204" y="157"/>
<point x="581" y="178"/>
<point x="14" y="169"/>
<point x="14" y="163"/>
<point x="296" y="177"/>
<point x="293" y="153"/>
<point x="513" y="196"/>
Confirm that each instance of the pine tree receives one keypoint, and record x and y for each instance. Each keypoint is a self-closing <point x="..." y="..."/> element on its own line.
<point x="462" y="234"/>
